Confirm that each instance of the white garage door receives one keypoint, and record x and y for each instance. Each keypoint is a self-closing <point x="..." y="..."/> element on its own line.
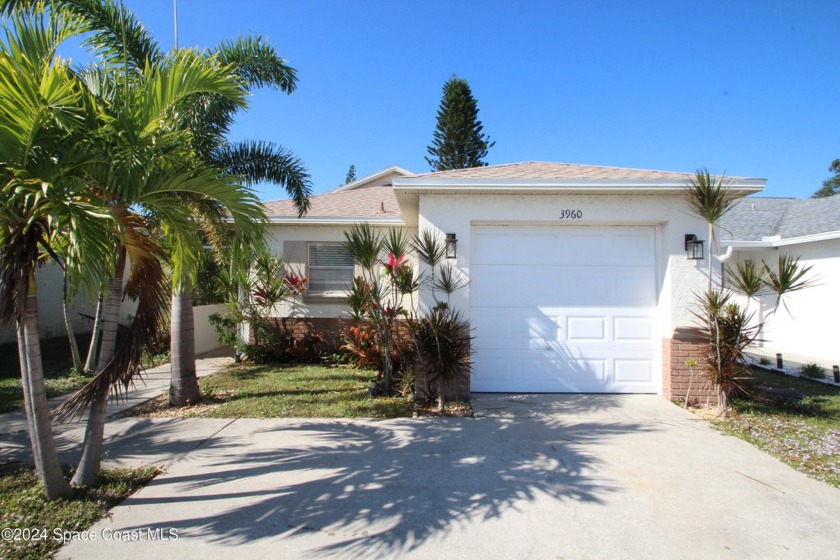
<point x="563" y="309"/>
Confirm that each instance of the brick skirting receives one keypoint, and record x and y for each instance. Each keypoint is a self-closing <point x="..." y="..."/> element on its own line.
<point x="678" y="378"/>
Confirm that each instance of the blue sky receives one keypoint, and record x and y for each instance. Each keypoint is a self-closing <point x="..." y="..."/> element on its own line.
<point x="747" y="88"/>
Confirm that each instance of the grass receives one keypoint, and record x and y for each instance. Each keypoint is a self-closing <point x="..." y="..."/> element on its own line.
<point x="270" y="391"/>
<point x="39" y="526"/>
<point x="803" y="434"/>
<point x="59" y="376"/>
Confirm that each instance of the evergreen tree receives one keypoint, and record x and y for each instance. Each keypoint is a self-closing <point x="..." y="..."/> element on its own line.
<point x="351" y="174"/>
<point x="831" y="186"/>
<point x="459" y="140"/>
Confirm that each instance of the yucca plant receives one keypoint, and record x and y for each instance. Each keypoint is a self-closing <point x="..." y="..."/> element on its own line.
<point x="443" y="343"/>
<point x="729" y="334"/>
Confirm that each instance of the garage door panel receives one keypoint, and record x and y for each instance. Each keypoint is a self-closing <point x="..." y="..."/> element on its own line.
<point x="635" y="371"/>
<point x="586" y="329"/>
<point x="632" y="328"/>
<point x="563" y="309"/>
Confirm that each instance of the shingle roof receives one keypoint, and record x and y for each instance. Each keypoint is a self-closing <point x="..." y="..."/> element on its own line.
<point x="754" y="218"/>
<point x="358" y="203"/>
<point x="548" y="170"/>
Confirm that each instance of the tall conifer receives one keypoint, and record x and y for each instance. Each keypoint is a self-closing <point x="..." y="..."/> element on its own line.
<point x="459" y="140"/>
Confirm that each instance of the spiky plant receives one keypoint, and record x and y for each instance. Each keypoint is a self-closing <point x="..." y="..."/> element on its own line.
<point x="443" y="343"/>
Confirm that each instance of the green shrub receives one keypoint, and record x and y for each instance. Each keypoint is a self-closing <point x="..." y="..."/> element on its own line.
<point x="812" y="370"/>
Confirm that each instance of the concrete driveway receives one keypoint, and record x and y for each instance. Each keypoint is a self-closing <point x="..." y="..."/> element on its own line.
<point x="561" y="476"/>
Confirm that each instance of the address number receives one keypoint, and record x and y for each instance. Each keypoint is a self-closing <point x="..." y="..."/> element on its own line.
<point x="571" y="214"/>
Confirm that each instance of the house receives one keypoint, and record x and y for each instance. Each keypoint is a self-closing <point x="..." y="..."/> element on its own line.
<point x="804" y="328"/>
<point x="579" y="279"/>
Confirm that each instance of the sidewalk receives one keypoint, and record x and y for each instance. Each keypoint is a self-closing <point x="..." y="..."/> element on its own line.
<point x="14" y="439"/>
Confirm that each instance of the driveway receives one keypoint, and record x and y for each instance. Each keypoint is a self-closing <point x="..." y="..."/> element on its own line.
<point x="574" y="476"/>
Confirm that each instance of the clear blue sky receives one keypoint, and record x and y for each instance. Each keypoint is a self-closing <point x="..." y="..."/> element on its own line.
<point x="749" y="88"/>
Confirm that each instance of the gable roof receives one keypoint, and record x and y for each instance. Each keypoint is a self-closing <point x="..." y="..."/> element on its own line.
<point x="549" y="170"/>
<point x="770" y="222"/>
<point x="535" y="177"/>
<point x="377" y="197"/>
<point x="381" y="177"/>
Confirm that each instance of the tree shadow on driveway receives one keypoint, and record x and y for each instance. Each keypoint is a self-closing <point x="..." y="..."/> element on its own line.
<point x="375" y="488"/>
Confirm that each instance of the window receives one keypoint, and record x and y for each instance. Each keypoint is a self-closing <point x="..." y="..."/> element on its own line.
<point x="330" y="268"/>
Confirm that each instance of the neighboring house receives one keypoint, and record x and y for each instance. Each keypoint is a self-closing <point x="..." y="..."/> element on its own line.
<point x="578" y="275"/>
<point x="761" y="229"/>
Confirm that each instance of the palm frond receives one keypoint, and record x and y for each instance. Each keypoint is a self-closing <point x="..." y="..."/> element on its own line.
<point x="364" y="244"/>
<point x="709" y="196"/>
<point x="257" y="63"/>
<point x="258" y="161"/>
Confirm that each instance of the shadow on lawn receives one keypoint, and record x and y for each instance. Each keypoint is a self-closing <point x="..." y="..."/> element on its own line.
<point x="383" y="488"/>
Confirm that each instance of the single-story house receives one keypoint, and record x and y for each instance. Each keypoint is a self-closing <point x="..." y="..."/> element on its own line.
<point x="804" y="328"/>
<point x="578" y="276"/>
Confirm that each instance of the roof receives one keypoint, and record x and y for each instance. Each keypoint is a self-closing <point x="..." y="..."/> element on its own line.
<point x="548" y="170"/>
<point x="378" y="197"/>
<point x="370" y="203"/>
<point x="378" y="178"/>
<point x="778" y="221"/>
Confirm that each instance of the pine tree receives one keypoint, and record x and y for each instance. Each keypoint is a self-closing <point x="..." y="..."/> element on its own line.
<point x="351" y="174"/>
<point x="459" y="140"/>
<point x="831" y="186"/>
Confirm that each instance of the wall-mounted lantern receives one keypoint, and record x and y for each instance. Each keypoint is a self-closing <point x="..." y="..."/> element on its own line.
<point x="451" y="246"/>
<point x="693" y="247"/>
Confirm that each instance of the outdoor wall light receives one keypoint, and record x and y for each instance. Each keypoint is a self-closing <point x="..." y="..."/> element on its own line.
<point x="693" y="247"/>
<point x="451" y="246"/>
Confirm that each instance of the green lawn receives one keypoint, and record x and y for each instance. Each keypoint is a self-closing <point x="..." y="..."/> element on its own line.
<point x="271" y="391"/>
<point x="805" y="434"/>
<point x="57" y="361"/>
<point x="58" y="365"/>
<point x="38" y="527"/>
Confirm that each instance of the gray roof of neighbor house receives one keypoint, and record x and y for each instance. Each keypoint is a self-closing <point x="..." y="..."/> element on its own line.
<point x="755" y="219"/>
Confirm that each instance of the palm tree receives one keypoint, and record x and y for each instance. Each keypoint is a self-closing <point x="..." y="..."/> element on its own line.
<point x="43" y="109"/>
<point x="209" y="118"/>
<point x="150" y="183"/>
<point x="121" y="39"/>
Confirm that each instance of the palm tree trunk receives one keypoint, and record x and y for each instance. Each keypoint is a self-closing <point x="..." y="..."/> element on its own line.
<point x="90" y="462"/>
<point x="44" y="452"/>
<point x="71" y="335"/>
<point x="95" y="336"/>
<point x="183" y="385"/>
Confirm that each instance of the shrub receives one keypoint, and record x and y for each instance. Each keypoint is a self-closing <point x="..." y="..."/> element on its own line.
<point x="812" y="370"/>
<point x="443" y="345"/>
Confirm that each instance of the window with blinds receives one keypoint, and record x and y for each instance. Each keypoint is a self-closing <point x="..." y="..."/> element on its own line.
<point x="330" y="268"/>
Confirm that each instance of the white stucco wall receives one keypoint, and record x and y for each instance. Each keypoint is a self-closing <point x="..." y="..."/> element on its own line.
<point x="678" y="279"/>
<point x="309" y="305"/>
<point x="806" y="324"/>
<point x="50" y="279"/>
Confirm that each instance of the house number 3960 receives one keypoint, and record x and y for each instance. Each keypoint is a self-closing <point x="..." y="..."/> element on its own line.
<point x="571" y="214"/>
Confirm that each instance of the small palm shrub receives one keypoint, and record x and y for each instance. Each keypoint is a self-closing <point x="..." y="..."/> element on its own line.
<point x="443" y="346"/>
<point x="729" y="333"/>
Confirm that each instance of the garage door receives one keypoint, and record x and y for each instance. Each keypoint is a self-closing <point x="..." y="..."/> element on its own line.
<point x="563" y="309"/>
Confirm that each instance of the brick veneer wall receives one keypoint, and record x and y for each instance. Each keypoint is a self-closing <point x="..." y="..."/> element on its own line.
<point x="329" y="328"/>
<point x="677" y="376"/>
